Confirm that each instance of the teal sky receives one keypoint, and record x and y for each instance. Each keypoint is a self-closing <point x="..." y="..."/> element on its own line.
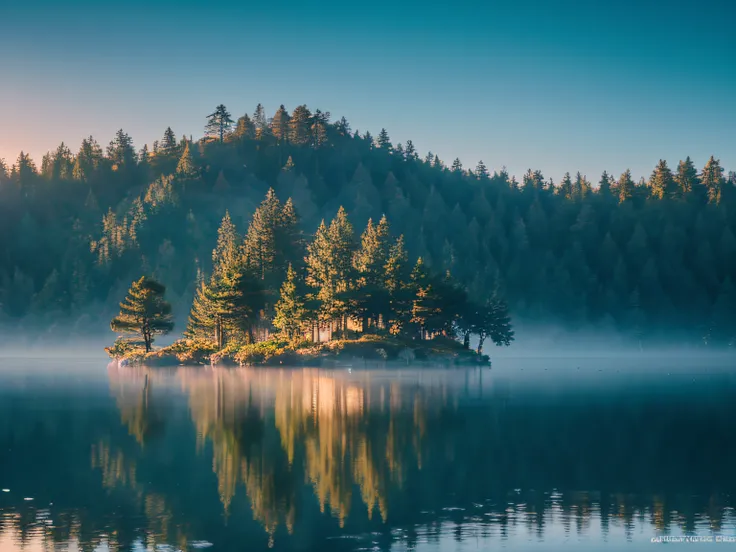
<point x="552" y="85"/>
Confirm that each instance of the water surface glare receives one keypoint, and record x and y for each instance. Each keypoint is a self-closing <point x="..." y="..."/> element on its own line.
<point x="533" y="454"/>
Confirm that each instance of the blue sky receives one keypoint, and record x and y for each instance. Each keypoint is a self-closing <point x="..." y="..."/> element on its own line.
<point x="556" y="86"/>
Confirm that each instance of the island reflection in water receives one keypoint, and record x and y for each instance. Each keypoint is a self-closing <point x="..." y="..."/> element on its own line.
<point x="309" y="459"/>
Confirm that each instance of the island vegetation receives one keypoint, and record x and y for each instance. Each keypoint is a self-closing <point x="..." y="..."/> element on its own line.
<point x="274" y="298"/>
<point x="650" y="260"/>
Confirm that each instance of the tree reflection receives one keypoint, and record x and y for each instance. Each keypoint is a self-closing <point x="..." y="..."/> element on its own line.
<point x="408" y="457"/>
<point x="139" y="411"/>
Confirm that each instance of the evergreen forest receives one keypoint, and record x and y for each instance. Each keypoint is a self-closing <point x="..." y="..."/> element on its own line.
<point x="647" y="260"/>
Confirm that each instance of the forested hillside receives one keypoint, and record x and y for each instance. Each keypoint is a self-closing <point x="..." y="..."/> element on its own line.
<point x="646" y="259"/>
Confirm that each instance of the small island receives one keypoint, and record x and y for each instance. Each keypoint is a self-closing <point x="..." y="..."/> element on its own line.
<point x="276" y="297"/>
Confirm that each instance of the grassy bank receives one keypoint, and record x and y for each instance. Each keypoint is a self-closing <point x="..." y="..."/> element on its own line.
<point x="274" y="352"/>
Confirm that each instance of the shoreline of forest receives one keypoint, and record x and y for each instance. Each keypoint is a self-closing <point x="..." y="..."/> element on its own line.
<point x="367" y="348"/>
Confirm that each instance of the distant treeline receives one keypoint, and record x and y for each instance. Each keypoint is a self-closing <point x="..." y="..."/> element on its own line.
<point x="647" y="259"/>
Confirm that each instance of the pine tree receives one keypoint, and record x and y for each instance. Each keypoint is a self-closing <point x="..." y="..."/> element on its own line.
<point x="239" y="299"/>
<point x="87" y="160"/>
<point x="289" y="240"/>
<point x="144" y="312"/>
<point x="341" y="243"/>
<point x="712" y="179"/>
<point x="259" y="246"/>
<point x="500" y="331"/>
<point x="417" y="286"/>
<point x="451" y="299"/>
<point x="410" y="152"/>
<point x="395" y="267"/>
<point x="581" y="187"/>
<point x="368" y="139"/>
<point x="343" y="127"/>
<point x="533" y="181"/>
<point x="24" y="166"/>
<point x="604" y="186"/>
<point x="62" y="163"/>
<point x="225" y="308"/>
<point x="586" y="188"/>
<point x="565" y="188"/>
<point x="3" y="171"/>
<point x="46" y="168"/>
<point x="168" y="145"/>
<point x="662" y="183"/>
<point x="430" y="312"/>
<point x="687" y="178"/>
<point x="161" y="194"/>
<point x="490" y="320"/>
<point x="144" y="157"/>
<point x="625" y="187"/>
<point x="481" y="172"/>
<point x="299" y="126"/>
<point x="259" y="118"/>
<point x="383" y="141"/>
<point x="203" y="324"/>
<point x="319" y="134"/>
<point x="318" y="262"/>
<point x="120" y="152"/>
<point x="290" y="313"/>
<point x="218" y="124"/>
<point x="329" y="267"/>
<point x="321" y="117"/>
<point x="373" y="254"/>
<point x="245" y="129"/>
<point x="280" y="125"/>
<point x="186" y="167"/>
<point x="457" y="166"/>
<point x="226" y="254"/>
<point x="369" y="261"/>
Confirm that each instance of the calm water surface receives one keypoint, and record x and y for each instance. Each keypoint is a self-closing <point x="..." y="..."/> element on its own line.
<point x="530" y="455"/>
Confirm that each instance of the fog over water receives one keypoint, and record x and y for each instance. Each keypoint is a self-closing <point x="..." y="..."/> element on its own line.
<point x="530" y="342"/>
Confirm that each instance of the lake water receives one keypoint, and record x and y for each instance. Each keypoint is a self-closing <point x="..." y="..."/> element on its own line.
<point x="581" y="454"/>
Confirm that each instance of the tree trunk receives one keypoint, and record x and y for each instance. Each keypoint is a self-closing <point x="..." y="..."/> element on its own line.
<point x="145" y="332"/>
<point x="480" y="344"/>
<point x="218" y="332"/>
<point x="466" y="340"/>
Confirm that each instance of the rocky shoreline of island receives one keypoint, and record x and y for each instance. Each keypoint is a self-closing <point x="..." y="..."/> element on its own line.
<point x="367" y="348"/>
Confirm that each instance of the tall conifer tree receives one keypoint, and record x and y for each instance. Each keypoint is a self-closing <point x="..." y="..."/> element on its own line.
<point x="219" y="123"/>
<point x="144" y="312"/>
